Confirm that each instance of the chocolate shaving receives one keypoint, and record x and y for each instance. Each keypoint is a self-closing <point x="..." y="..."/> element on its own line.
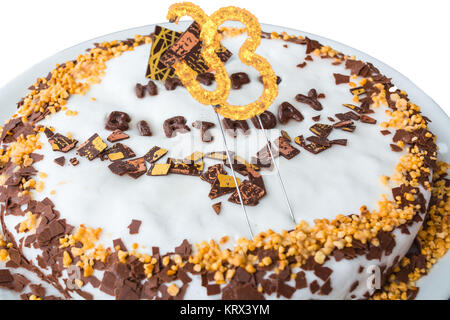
<point x="134" y="226"/>
<point x="117" y="135"/>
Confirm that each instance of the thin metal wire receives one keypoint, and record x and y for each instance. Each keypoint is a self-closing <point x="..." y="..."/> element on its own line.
<point x="234" y="175"/>
<point x="269" y="146"/>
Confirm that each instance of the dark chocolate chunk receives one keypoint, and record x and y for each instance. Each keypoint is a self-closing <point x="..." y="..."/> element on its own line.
<point x="117" y="120"/>
<point x="211" y="174"/>
<point x="285" y="148"/>
<point x="312" y="147"/>
<point x="341" y="142"/>
<point x="353" y="107"/>
<point x="367" y="119"/>
<point x="268" y="120"/>
<point x="385" y="132"/>
<point x="92" y="147"/>
<point x="312" y="45"/>
<point x="175" y="124"/>
<point x="321" y="130"/>
<point x="178" y="166"/>
<point x="48" y="133"/>
<point x="62" y="143"/>
<point x="119" y="151"/>
<point x="287" y="111"/>
<point x="172" y="83"/>
<point x="144" y="128"/>
<point x="238" y="79"/>
<point x="155" y="154"/>
<point x="347" y="116"/>
<point x="218" y="191"/>
<point x="206" y="78"/>
<point x="319" y="141"/>
<point x="343" y="124"/>
<point x="278" y="79"/>
<point x="395" y="148"/>
<point x="316" y="118"/>
<point x="139" y="167"/>
<point x="250" y="194"/>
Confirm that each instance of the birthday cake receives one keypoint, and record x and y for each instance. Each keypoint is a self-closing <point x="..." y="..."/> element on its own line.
<point x="117" y="183"/>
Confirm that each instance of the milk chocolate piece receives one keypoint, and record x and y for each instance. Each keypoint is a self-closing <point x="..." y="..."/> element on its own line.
<point x="232" y="126"/>
<point x="310" y="99"/>
<point x="238" y="79"/>
<point x="60" y="161"/>
<point x="144" y="128"/>
<point x="204" y="126"/>
<point x="175" y="124"/>
<point x="117" y="120"/>
<point x="287" y="111"/>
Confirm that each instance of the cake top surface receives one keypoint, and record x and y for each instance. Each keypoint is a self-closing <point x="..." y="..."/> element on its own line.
<point x="168" y="209"/>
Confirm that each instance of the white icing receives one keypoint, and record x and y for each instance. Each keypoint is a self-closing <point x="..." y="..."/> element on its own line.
<point x="175" y="207"/>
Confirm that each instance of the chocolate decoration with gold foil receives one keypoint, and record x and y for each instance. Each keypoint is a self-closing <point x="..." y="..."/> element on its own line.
<point x="162" y="40"/>
<point x="169" y="46"/>
<point x="211" y="42"/>
<point x="188" y="48"/>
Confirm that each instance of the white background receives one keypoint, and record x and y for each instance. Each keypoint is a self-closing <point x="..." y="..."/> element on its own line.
<point x="411" y="36"/>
